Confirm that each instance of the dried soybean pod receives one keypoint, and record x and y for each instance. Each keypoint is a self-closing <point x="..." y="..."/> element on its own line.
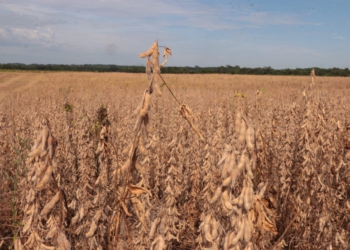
<point x="262" y="190"/>
<point x="127" y="149"/>
<point x="252" y="135"/>
<point x="226" y="200"/>
<point x="249" y="198"/>
<point x="45" y="135"/>
<point x="227" y="182"/>
<point x="148" y="68"/>
<point x="226" y="241"/>
<point x="146" y="103"/>
<point x="238" y="122"/>
<point x="50" y="205"/>
<point x="126" y="165"/>
<point x="239" y="235"/>
<point x="51" y="233"/>
<point x="35" y="153"/>
<point x="246" y="199"/>
<point x="46" y="247"/>
<point x="157" y="89"/>
<point x="247" y="231"/>
<point x="248" y="168"/>
<point x="214" y="228"/>
<point x="139" y="107"/>
<point x="92" y="230"/>
<point x="242" y="132"/>
<point x="62" y="241"/>
<point x="253" y="162"/>
<point x="147" y="124"/>
<point x="250" y="138"/>
<point x="207" y="231"/>
<point x="28" y="224"/>
<point x="141" y="147"/>
<point x="30" y="196"/>
<point x="37" y="237"/>
<point x="233" y="220"/>
<point x="46" y="178"/>
<point x="158" y="243"/>
<point x="155" y="62"/>
<point x="81" y="212"/>
<point x="241" y="161"/>
<point x="31" y="240"/>
<point x="75" y="218"/>
<point x="149" y="51"/>
<point x="224" y="171"/>
<point x="38" y="141"/>
<point x="52" y="143"/>
<point x="216" y="196"/>
<point x="154" y="227"/>
<point x="235" y="201"/>
<point x="249" y="246"/>
<point x="226" y="154"/>
<point x="241" y="197"/>
<point x="232" y="163"/>
<point x="138" y="166"/>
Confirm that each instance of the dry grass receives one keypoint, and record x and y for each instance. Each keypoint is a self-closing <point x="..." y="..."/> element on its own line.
<point x="283" y="184"/>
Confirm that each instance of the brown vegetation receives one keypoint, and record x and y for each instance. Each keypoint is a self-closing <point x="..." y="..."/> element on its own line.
<point x="250" y="162"/>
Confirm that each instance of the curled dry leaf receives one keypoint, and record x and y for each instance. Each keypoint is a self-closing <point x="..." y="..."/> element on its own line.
<point x="138" y="190"/>
<point x="139" y="210"/>
<point x="263" y="222"/>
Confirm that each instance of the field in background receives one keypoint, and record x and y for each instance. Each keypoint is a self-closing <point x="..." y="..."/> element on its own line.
<point x="301" y="159"/>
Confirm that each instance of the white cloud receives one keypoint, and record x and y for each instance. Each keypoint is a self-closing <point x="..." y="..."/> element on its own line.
<point x="259" y="19"/>
<point x="37" y="36"/>
<point x="337" y="36"/>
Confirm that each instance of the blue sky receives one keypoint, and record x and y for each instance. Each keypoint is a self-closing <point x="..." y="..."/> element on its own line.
<point x="276" y="33"/>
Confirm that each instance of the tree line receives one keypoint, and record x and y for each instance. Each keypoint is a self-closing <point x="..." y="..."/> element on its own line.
<point x="228" y="69"/>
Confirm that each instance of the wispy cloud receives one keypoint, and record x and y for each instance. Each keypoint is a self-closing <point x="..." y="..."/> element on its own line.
<point x="37" y="36"/>
<point x="258" y="19"/>
<point x="337" y="36"/>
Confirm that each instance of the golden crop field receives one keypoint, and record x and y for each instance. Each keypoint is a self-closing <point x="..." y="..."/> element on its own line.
<point x="95" y="161"/>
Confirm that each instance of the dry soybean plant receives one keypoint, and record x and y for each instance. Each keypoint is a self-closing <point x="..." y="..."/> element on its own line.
<point x="126" y="189"/>
<point x="43" y="200"/>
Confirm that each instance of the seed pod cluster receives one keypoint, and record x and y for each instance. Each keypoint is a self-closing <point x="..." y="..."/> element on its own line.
<point x="41" y="159"/>
<point x="210" y="228"/>
<point x="238" y="208"/>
